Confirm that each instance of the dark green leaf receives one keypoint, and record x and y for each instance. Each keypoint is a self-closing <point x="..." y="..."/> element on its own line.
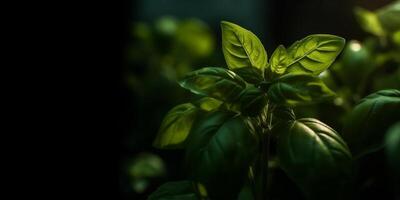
<point x="365" y="127"/>
<point x="176" y="126"/>
<point x="180" y="190"/>
<point x="252" y="101"/>
<point x="279" y="60"/>
<point x="220" y="149"/>
<point x="315" y="157"/>
<point x="298" y="89"/>
<point x="281" y="115"/>
<point x="241" y="47"/>
<point x="250" y="74"/>
<point x="314" y="53"/>
<point x="392" y="141"/>
<point x="215" y="82"/>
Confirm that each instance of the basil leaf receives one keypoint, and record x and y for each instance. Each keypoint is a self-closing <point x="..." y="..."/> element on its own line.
<point x="252" y="101"/>
<point x="314" y="53"/>
<point x="208" y="103"/>
<point x="298" y="89"/>
<point x="279" y="60"/>
<point x="250" y="74"/>
<point x="241" y="47"/>
<point x="366" y="125"/>
<point x="176" y="127"/>
<point x="219" y="83"/>
<point x="182" y="190"/>
<point x="315" y="157"/>
<point x="220" y="149"/>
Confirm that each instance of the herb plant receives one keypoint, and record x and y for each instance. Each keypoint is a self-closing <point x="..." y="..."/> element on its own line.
<point x="244" y="120"/>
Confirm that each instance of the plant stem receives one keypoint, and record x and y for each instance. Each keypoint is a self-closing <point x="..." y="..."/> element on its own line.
<point x="262" y="164"/>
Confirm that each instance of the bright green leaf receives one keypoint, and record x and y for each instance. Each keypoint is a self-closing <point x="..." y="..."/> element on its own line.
<point x="216" y="82"/>
<point x="219" y="151"/>
<point x="298" y="89"/>
<point x="315" y="157"/>
<point x="208" y="103"/>
<point x="365" y="127"/>
<point x="250" y="74"/>
<point x="179" y="190"/>
<point x="241" y="47"/>
<point x="369" y="21"/>
<point x="314" y="53"/>
<point x="279" y="60"/>
<point x="176" y="126"/>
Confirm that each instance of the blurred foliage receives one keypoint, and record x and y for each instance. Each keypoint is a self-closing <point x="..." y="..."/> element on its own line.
<point x="143" y="169"/>
<point x="364" y="66"/>
<point x="158" y="54"/>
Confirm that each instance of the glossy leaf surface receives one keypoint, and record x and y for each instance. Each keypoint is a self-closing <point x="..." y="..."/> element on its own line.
<point x="314" y="53"/>
<point x="279" y="60"/>
<point x="298" y="89"/>
<point x="315" y="157"/>
<point x="219" y="152"/>
<point x="241" y="47"/>
<point x="215" y="82"/>
<point x="250" y="74"/>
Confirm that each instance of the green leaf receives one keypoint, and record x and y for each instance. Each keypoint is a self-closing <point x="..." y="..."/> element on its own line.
<point x="392" y="141"/>
<point x="252" y="101"/>
<point x="216" y="82"/>
<point x="315" y="157"/>
<point x="176" y="127"/>
<point x="298" y="89"/>
<point x="180" y="190"/>
<point x="369" y="21"/>
<point x="220" y="149"/>
<point x="208" y="103"/>
<point x="314" y="53"/>
<point x="389" y="16"/>
<point x="279" y="60"/>
<point x="241" y="47"/>
<point x="250" y="74"/>
<point x="365" y="127"/>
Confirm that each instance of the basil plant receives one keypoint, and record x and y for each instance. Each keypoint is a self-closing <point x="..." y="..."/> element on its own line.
<point x="243" y="119"/>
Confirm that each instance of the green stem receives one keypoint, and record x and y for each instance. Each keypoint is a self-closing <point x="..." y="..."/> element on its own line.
<point x="262" y="164"/>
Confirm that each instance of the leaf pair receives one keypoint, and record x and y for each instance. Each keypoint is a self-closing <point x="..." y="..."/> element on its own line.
<point x="313" y="54"/>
